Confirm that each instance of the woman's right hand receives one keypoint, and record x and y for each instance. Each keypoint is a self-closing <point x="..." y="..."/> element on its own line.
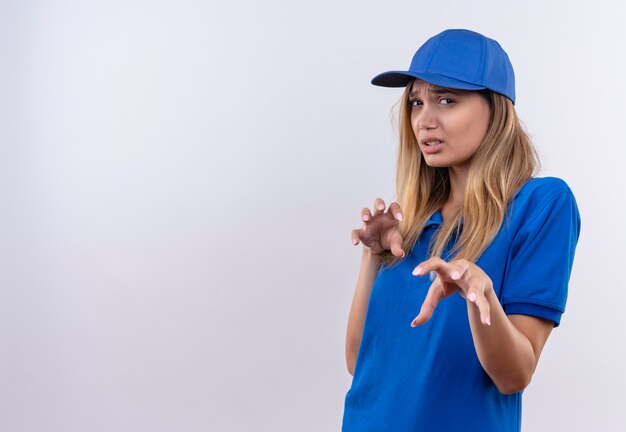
<point x="380" y="230"/>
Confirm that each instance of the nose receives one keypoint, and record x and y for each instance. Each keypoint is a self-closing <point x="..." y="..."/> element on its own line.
<point x="425" y="118"/>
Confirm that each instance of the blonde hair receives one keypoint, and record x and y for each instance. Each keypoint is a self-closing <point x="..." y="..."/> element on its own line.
<point x="504" y="161"/>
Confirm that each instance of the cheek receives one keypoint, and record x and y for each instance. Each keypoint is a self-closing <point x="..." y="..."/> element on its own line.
<point x="477" y="131"/>
<point x="475" y="128"/>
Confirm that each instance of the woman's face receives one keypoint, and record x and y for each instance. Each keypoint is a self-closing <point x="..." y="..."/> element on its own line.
<point x="449" y="124"/>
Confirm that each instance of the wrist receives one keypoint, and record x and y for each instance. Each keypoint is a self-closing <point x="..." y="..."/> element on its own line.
<point x="369" y="256"/>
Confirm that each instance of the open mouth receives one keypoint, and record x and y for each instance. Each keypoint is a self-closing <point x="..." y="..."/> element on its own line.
<point x="432" y="146"/>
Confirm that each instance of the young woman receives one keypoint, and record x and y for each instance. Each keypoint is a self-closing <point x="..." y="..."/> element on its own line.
<point x="454" y="352"/>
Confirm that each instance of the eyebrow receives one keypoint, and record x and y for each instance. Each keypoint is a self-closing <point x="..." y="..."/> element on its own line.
<point x="436" y="91"/>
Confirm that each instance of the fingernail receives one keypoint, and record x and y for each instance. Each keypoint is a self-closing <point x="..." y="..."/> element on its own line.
<point x="403" y="254"/>
<point x="472" y="297"/>
<point x="399" y="216"/>
<point x="488" y="321"/>
<point x="456" y="275"/>
<point x="354" y="242"/>
<point x="413" y="324"/>
<point x="417" y="271"/>
<point x="381" y="207"/>
<point x="365" y="217"/>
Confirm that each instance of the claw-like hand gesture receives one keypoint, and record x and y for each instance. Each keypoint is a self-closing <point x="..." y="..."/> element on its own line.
<point x="380" y="230"/>
<point x="462" y="276"/>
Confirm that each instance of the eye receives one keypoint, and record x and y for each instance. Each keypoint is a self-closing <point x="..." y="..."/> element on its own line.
<point x="414" y="103"/>
<point x="448" y="101"/>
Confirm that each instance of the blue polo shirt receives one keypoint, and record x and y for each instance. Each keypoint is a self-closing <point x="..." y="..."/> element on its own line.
<point x="428" y="378"/>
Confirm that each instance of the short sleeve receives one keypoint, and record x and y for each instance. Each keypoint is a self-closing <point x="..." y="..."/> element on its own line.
<point x="541" y="259"/>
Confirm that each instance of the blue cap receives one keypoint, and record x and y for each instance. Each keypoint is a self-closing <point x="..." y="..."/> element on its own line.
<point x="460" y="59"/>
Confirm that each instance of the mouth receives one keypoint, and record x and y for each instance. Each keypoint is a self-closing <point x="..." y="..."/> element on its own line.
<point x="432" y="146"/>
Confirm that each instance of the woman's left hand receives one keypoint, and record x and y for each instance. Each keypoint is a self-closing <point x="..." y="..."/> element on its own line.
<point x="461" y="275"/>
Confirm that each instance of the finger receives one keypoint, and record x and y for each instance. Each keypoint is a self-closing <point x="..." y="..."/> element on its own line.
<point x="445" y="290"/>
<point x="459" y="269"/>
<point x="395" y="243"/>
<point x="379" y="206"/>
<point x="477" y="293"/>
<point x="450" y="287"/>
<point x="437" y="267"/>
<point x="395" y="210"/>
<point x="430" y="303"/>
<point x="356" y="234"/>
<point x="366" y="215"/>
<point x="430" y="265"/>
<point x="475" y="287"/>
<point x="485" y="309"/>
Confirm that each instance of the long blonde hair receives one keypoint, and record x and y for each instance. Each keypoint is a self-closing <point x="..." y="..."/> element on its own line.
<point x="504" y="161"/>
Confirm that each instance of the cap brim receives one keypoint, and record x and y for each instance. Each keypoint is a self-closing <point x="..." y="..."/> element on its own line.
<point x="402" y="78"/>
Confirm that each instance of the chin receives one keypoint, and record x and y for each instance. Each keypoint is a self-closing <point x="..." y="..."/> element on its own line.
<point x="442" y="162"/>
<point x="436" y="163"/>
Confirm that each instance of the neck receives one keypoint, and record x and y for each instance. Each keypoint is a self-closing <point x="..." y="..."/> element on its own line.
<point x="458" y="179"/>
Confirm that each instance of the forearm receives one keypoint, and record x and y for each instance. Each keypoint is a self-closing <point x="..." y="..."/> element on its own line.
<point x="505" y="353"/>
<point x="370" y="266"/>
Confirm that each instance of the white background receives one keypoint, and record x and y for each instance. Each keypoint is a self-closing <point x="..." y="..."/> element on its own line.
<point x="178" y="183"/>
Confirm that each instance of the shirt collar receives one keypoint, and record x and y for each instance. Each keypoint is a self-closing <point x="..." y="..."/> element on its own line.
<point x="436" y="219"/>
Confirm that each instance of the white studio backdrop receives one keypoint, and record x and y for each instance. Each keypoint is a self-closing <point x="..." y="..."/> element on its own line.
<point x="178" y="183"/>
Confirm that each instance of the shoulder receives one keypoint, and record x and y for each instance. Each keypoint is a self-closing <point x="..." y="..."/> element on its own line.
<point x="542" y="202"/>
<point x="541" y="192"/>
<point x="538" y="188"/>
